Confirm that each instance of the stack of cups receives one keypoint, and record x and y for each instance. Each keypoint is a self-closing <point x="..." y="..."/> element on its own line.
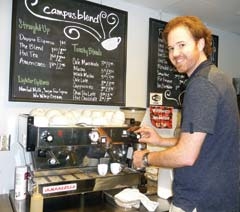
<point x="20" y="188"/>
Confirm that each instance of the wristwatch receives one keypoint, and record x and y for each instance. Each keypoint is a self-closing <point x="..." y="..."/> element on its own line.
<point x="145" y="159"/>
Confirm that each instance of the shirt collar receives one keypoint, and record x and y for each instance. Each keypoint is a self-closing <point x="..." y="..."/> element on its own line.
<point x="200" y="67"/>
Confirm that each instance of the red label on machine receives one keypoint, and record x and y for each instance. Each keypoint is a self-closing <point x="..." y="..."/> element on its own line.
<point x="59" y="188"/>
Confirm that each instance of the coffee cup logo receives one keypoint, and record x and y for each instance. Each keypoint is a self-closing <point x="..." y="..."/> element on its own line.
<point x="111" y="43"/>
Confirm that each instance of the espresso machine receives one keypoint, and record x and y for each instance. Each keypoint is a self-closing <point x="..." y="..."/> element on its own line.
<point x="62" y="162"/>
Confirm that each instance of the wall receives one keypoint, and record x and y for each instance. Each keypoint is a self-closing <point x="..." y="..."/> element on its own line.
<point x="137" y="58"/>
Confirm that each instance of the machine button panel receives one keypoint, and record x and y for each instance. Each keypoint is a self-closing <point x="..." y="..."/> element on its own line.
<point x="47" y="137"/>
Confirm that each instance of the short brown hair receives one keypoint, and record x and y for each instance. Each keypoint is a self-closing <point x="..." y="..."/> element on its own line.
<point x="196" y="28"/>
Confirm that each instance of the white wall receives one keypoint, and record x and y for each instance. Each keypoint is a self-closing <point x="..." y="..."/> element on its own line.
<point x="137" y="59"/>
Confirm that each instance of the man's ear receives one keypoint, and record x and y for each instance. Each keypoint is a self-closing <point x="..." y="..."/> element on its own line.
<point x="201" y="44"/>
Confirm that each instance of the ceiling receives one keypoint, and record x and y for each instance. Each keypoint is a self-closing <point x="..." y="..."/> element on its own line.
<point x="220" y="14"/>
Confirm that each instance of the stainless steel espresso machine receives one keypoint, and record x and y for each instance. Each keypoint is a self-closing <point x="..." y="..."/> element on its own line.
<point x="63" y="164"/>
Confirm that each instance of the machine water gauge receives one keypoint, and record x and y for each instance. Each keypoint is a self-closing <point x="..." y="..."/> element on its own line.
<point x="94" y="136"/>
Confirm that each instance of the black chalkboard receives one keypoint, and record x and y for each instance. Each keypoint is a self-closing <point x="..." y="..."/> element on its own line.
<point x="165" y="85"/>
<point x="214" y="56"/>
<point x="68" y="51"/>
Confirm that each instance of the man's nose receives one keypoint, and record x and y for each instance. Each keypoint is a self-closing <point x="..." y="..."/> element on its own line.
<point x="175" y="52"/>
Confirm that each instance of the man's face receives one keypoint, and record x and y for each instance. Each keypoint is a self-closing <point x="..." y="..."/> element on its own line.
<point x="184" y="52"/>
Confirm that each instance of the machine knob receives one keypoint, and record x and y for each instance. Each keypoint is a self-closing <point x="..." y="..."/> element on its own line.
<point x="131" y="135"/>
<point x="52" y="161"/>
<point x="47" y="137"/>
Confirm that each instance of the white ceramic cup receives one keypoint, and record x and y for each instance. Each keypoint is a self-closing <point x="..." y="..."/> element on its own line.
<point x="102" y="169"/>
<point x="115" y="168"/>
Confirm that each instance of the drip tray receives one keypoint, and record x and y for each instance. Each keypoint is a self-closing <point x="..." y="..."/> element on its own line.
<point x="109" y="199"/>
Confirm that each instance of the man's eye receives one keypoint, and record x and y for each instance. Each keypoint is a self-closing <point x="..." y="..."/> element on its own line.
<point x="181" y="45"/>
<point x="170" y="49"/>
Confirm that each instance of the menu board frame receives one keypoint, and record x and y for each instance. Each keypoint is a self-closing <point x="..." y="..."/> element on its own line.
<point x="104" y="79"/>
<point x="165" y="86"/>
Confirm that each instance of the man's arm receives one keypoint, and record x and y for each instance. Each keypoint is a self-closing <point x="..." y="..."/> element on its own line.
<point x="184" y="153"/>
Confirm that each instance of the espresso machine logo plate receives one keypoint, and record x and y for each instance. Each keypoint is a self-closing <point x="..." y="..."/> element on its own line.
<point x="59" y="188"/>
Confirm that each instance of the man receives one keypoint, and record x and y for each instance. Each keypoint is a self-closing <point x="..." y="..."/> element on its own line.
<point x="205" y="157"/>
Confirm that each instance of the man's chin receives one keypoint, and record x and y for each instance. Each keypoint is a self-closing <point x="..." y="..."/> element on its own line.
<point x="180" y="70"/>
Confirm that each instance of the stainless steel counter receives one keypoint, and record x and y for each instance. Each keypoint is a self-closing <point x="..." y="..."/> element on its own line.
<point x="5" y="205"/>
<point x="88" y="202"/>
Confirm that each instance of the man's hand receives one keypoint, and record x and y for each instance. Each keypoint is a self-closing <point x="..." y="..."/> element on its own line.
<point x="149" y="135"/>
<point x="138" y="158"/>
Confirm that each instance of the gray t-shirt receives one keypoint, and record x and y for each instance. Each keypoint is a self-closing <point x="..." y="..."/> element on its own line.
<point x="210" y="106"/>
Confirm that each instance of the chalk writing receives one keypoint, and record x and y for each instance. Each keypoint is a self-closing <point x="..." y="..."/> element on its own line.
<point x="163" y="79"/>
<point x="82" y="17"/>
<point x="68" y="52"/>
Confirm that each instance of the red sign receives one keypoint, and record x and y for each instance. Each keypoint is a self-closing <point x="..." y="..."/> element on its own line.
<point x="59" y="188"/>
<point x="161" y="116"/>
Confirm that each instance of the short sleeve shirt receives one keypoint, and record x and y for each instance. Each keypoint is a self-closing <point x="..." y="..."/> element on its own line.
<point x="210" y="106"/>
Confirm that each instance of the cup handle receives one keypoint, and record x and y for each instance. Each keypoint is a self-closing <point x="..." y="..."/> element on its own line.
<point x="119" y="40"/>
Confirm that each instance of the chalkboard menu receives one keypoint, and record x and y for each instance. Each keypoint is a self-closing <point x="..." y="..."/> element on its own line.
<point x="165" y="85"/>
<point x="214" y="56"/>
<point x="68" y="51"/>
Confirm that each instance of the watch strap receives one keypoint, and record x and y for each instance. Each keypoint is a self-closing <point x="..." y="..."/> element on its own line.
<point x="145" y="159"/>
